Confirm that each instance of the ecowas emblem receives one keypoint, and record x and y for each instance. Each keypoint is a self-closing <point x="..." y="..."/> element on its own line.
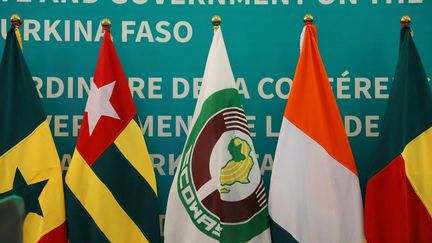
<point x="219" y="183"/>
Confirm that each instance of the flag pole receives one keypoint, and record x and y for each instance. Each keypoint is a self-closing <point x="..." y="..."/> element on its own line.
<point x="16" y="22"/>
<point x="216" y="21"/>
<point x="406" y="22"/>
<point x="308" y="20"/>
<point x="106" y="25"/>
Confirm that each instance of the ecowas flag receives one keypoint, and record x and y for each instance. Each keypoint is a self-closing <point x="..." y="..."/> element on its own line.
<point x="398" y="203"/>
<point x="314" y="191"/>
<point x="217" y="194"/>
<point x="111" y="186"/>
<point x="29" y="163"/>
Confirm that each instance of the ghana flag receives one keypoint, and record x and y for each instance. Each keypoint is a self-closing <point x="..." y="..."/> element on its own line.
<point x="398" y="205"/>
<point x="29" y="163"/>
<point x="111" y="186"/>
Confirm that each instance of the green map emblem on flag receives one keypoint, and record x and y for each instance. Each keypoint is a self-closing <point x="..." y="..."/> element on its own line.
<point x="217" y="183"/>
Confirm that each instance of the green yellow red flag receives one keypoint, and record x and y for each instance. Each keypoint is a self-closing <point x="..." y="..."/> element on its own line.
<point x="398" y="204"/>
<point x="29" y="163"/>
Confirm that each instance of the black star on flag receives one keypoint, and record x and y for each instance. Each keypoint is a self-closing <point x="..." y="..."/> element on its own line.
<point x="29" y="192"/>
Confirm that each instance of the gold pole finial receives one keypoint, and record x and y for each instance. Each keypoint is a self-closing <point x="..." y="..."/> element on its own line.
<point x="16" y="22"/>
<point x="106" y="26"/>
<point x="106" y="23"/>
<point x="216" y="21"/>
<point x="405" y="19"/>
<point x="308" y="18"/>
<point x="15" y="18"/>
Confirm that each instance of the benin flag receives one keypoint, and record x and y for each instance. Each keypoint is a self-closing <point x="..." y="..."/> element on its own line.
<point x="29" y="163"/>
<point x="314" y="191"/>
<point x="111" y="186"/>
<point x="399" y="190"/>
<point x="217" y="194"/>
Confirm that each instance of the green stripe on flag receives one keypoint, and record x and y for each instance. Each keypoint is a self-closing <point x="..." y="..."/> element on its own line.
<point x="131" y="191"/>
<point x="409" y="109"/>
<point x="80" y="225"/>
<point x="245" y="232"/>
<point x="20" y="108"/>
<point x="279" y="234"/>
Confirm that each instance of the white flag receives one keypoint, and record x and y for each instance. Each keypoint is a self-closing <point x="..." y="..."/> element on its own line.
<point x="217" y="194"/>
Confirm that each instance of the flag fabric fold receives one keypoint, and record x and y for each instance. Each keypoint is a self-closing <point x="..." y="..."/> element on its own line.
<point x="111" y="186"/>
<point x="29" y="163"/>
<point x="398" y="203"/>
<point x="217" y="194"/>
<point x="314" y="189"/>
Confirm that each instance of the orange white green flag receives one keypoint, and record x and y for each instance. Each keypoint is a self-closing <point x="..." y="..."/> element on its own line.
<point x="314" y="190"/>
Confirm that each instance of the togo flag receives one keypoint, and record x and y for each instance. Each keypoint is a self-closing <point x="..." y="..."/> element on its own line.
<point x="217" y="194"/>
<point x="314" y="191"/>
<point x="398" y="204"/>
<point x="29" y="163"/>
<point x="111" y="186"/>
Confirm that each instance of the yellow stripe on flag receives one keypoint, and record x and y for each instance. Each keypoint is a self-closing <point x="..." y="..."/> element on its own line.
<point x="98" y="201"/>
<point x="132" y="145"/>
<point x="417" y="155"/>
<point x="36" y="158"/>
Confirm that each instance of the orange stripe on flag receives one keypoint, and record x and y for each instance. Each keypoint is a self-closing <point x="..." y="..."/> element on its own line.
<point x="319" y="116"/>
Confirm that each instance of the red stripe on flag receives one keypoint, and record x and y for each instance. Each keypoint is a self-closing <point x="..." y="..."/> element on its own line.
<point x="56" y="235"/>
<point x="393" y="211"/>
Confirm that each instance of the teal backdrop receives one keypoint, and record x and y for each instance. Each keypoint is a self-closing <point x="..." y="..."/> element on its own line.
<point x="163" y="46"/>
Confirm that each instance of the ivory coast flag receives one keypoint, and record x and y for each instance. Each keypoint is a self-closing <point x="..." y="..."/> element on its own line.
<point x="111" y="186"/>
<point x="398" y="203"/>
<point x="29" y="163"/>
<point x="314" y="190"/>
<point x="217" y="194"/>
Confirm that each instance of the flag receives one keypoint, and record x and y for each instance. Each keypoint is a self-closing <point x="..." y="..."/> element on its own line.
<point x="398" y="203"/>
<point x="314" y="188"/>
<point x="217" y="194"/>
<point x="29" y="163"/>
<point x="111" y="186"/>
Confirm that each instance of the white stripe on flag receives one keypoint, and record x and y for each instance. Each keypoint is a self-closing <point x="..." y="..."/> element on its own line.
<point x="313" y="196"/>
